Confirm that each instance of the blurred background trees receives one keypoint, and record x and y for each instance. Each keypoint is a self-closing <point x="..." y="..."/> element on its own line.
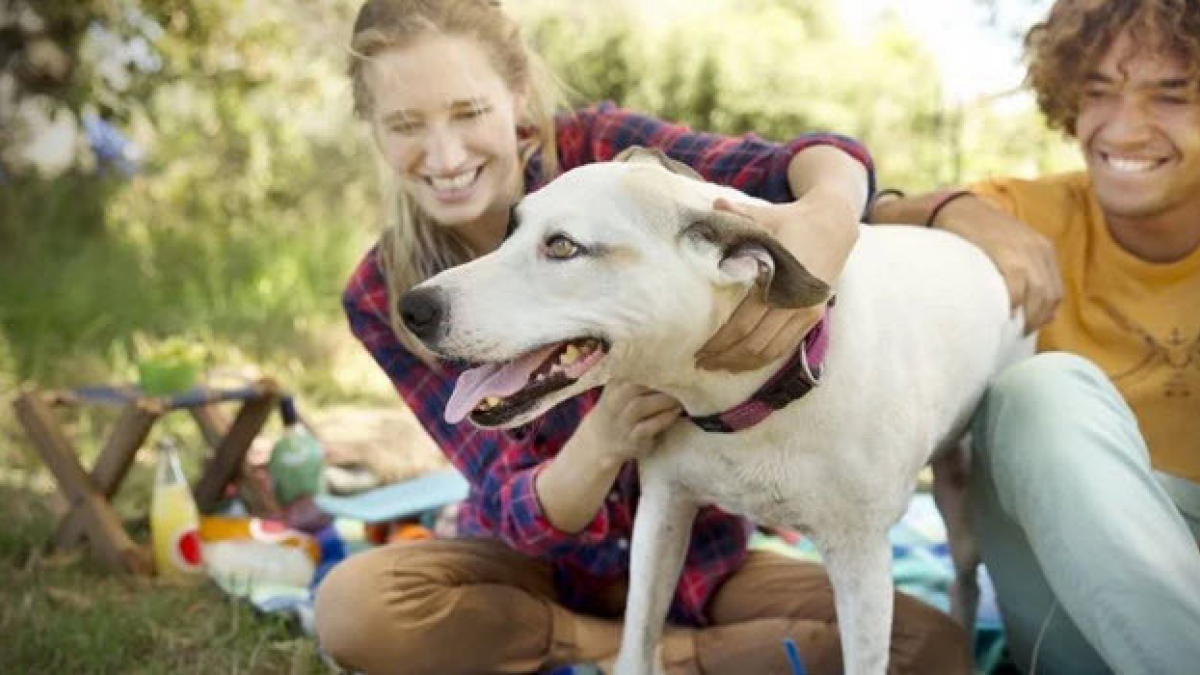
<point x="190" y="167"/>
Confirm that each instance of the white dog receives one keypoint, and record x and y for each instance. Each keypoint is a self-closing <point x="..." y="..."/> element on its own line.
<point x="623" y="270"/>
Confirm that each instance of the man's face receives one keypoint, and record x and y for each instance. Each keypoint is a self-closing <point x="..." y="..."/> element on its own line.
<point x="1139" y="127"/>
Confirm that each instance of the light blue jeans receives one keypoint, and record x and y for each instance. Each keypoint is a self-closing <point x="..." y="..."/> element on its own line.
<point x="1094" y="556"/>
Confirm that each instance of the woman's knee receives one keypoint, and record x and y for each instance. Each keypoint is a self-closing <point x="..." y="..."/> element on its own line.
<point x="926" y="640"/>
<point x="371" y="603"/>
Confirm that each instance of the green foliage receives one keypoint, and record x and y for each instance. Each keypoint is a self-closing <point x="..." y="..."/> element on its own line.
<point x="780" y="69"/>
<point x="255" y="200"/>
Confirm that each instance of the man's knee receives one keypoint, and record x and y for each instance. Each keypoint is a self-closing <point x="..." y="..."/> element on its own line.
<point x="1036" y="403"/>
<point x="1040" y="383"/>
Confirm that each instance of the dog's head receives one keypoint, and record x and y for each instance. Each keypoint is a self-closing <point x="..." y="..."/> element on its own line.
<point x="615" y="269"/>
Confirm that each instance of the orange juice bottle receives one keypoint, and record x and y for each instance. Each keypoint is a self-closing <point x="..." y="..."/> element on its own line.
<point x="174" y="520"/>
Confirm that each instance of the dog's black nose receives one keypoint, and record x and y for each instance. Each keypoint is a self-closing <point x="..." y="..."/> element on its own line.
<point x="422" y="310"/>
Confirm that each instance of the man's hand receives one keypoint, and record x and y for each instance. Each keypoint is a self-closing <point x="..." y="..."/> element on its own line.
<point x="1024" y="257"/>
<point x="819" y="229"/>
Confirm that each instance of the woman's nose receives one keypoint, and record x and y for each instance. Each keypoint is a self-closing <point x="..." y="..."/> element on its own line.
<point x="444" y="150"/>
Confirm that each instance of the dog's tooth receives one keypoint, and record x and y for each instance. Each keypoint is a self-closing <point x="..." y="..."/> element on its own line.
<point x="571" y="355"/>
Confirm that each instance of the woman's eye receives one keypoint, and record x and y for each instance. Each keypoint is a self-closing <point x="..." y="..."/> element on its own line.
<point x="559" y="247"/>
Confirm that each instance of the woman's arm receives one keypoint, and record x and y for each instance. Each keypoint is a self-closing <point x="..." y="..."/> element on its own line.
<point x="623" y="426"/>
<point x="820" y="229"/>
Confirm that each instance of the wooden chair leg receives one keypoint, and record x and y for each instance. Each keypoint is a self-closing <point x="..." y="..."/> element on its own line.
<point x="227" y="460"/>
<point x="103" y="527"/>
<point x="128" y="435"/>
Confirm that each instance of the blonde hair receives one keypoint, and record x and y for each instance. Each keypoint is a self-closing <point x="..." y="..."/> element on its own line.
<point x="413" y="247"/>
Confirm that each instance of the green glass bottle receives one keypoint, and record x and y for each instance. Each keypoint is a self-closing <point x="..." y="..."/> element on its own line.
<point x="297" y="463"/>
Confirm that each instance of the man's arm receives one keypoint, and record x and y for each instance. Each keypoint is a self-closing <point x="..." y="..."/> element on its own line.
<point x="1023" y="255"/>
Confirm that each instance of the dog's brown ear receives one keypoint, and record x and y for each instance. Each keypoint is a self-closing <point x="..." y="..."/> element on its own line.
<point x="637" y="153"/>
<point x="750" y="254"/>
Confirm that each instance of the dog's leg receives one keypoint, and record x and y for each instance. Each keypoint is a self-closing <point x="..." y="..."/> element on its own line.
<point x="860" y="568"/>
<point x="661" y="531"/>
<point x="951" y="475"/>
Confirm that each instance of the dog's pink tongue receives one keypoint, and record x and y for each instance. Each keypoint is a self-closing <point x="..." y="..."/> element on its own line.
<point x="492" y="379"/>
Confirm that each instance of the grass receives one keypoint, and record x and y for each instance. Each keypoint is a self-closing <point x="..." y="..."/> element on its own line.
<point x="61" y="614"/>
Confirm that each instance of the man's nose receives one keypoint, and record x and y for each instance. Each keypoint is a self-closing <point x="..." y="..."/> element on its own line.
<point x="1130" y="122"/>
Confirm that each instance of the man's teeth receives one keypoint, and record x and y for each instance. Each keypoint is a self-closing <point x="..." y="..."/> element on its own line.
<point x="455" y="182"/>
<point x="1129" y="165"/>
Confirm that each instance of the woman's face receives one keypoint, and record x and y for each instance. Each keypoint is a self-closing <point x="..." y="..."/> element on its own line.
<point x="446" y="123"/>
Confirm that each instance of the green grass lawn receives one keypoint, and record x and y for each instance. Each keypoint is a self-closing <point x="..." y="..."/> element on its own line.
<point x="60" y="613"/>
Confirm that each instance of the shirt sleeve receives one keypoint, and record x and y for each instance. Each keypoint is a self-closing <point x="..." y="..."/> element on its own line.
<point x="1048" y="204"/>
<point x="500" y="466"/>
<point x="997" y="193"/>
<point x="748" y="163"/>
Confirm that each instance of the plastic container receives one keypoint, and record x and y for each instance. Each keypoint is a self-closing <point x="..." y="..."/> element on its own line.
<point x="297" y="463"/>
<point x="174" y="520"/>
<point x="246" y="563"/>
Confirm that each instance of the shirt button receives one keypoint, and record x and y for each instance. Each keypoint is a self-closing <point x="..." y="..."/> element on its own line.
<point x="622" y="543"/>
<point x="612" y="498"/>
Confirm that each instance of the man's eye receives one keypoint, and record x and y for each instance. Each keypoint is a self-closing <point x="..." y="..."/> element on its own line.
<point x="559" y="247"/>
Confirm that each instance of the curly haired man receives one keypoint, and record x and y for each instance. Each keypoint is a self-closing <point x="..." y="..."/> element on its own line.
<point x="1085" y="485"/>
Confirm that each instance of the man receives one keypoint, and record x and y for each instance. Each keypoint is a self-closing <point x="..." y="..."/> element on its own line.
<point x="1085" y="484"/>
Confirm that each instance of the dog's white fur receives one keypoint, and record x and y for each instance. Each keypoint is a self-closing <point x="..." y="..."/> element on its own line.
<point x="921" y="324"/>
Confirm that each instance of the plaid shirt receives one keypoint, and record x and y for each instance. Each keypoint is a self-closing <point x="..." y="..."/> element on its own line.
<point x="502" y="466"/>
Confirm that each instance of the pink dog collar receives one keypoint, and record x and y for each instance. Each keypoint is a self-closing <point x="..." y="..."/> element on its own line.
<point x="796" y="378"/>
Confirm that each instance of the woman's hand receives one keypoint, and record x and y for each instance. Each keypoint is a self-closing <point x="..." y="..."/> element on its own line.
<point x="626" y="422"/>
<point x="819" y="229"/>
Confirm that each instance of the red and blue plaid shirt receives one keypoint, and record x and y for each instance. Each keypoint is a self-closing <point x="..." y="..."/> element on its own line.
<point x="502" y="466"/>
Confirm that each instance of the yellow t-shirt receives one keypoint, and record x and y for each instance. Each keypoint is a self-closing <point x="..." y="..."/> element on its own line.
<point x="1139" y="321"/>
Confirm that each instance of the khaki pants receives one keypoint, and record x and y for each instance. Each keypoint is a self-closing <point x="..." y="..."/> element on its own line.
<point x="476" y="606"/>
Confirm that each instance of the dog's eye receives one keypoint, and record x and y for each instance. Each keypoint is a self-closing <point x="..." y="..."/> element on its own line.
<point x="559" y="247"/>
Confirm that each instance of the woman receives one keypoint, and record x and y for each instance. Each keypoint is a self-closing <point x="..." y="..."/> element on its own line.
<point x="462" y="115"/>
